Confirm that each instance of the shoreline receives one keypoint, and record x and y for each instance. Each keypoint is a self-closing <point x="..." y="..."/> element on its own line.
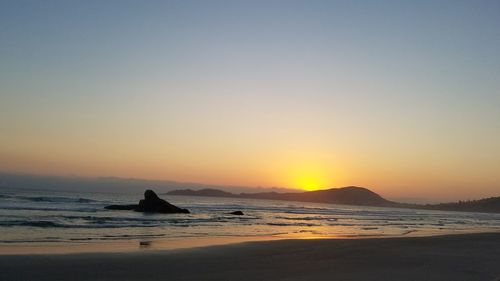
<point x="125" y="246"/>
<point x="445" y="257"/>
<point x="184" y="243"/>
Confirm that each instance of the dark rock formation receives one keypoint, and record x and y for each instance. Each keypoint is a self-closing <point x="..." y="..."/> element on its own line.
<point x="153" y="204"/>
<point x="150" y="204"/>
<point x="237" y="213"/>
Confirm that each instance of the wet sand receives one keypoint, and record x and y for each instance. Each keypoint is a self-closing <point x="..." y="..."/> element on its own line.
<point x="451" y="257"/>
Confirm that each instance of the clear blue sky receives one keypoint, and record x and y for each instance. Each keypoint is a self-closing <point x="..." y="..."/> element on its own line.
<point x="399" y="96"/>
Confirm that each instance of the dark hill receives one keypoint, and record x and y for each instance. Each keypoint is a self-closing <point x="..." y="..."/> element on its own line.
<point x="487" y="205"/>
<point x="351" y="195"/>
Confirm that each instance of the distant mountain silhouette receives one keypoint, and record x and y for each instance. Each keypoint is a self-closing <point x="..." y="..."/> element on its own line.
<point x="351" y="195"/>
<point x="111" y="184"/>
<point x="208" y="192"/>
<point x="487" y="205"/>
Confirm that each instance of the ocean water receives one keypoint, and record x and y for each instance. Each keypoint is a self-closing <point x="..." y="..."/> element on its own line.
<point x="36" y="216"/>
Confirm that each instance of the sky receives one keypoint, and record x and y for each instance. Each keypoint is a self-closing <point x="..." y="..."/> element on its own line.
<point x="402" y="97"/>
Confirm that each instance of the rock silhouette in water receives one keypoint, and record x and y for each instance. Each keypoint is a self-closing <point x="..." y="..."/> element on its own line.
<point x="154" y="204"/>
<point x="237" y="213"/>
<point x="150" y="204"/>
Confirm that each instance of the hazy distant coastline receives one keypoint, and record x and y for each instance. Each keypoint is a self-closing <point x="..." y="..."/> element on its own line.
<point x="112" y="184"/>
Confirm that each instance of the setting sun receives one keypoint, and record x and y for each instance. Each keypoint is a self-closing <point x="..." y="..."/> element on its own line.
<point x="311" y="178"/>
<point x="310" y="183"/>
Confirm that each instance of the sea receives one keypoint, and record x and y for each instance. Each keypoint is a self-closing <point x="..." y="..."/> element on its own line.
<point x="29" y="217"/>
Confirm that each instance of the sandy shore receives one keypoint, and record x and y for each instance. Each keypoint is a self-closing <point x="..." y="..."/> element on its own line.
<point x="452" y="257"/>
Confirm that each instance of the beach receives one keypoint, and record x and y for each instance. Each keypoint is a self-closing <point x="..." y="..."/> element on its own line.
<point x="447" y="257"/>
<point x="249" y="140"/>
